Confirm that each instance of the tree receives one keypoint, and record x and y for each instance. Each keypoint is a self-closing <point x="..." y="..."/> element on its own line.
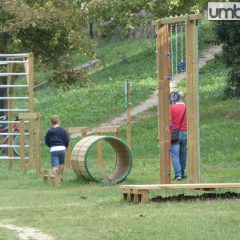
<point x="109" y="14"/>
<point x="53" y="30"/>
<point x="228" y="33"/>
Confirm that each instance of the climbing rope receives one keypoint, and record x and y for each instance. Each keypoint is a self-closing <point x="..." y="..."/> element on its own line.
<point x="181" y="66"/>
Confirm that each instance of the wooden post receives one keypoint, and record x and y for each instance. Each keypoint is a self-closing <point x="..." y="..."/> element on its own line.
<point x="117" y="133"/>
<point x="30" y="78"/>
<point x="68" y="154"/>
<point x="38" y="146"/>
<point x="101" y="131"/>
<point x="30" y="117"/>
<point x="100" y="153"/>
<point x="68" y="158"/>
<point x="22" y="145"/>
<point x="163" y="104"/>
<point x="192" y="102"/>
<point x="10" y="80"/>
<point x="129" y="118"/>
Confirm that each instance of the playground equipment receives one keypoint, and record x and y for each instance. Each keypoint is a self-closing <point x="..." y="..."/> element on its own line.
<point x="16" y="99"/>
<point x="76" y="132"/>
<point x="166" y="72"/>
<point x="123" y="166"/>
<point x="80" y="153"/>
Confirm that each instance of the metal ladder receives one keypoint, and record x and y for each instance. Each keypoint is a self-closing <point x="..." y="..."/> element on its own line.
<point x="8" y="79"/>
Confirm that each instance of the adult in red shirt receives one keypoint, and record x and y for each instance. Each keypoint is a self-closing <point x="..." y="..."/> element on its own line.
<point x="179" y="148"/>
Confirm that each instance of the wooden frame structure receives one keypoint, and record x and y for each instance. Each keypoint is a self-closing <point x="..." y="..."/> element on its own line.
<point x="102" y="131"/>
<point x="140" y="193"/>
<point x="11" y="61"/>
<point x="82" y="132"/>
<point x="34" y="142"/>
<point x="192" y="100"/>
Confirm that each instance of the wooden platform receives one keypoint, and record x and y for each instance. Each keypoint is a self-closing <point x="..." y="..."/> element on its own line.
<point x="140" y="193"/>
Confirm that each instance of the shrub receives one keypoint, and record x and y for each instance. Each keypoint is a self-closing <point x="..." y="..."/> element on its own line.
<point x="228" y="34"/>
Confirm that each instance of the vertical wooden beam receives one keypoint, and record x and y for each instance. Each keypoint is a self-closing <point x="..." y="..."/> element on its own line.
<point x="129" y="118"/>
<point x="68" y="155"/>
<point x="100" y="154"/>
<point x="10" y="81"/>
<point x="68" y="158"/>
<point x="38" y="146"/>
<point x="30" y="79"/>
<point x="192" y="102"/>
<point x="163" y="104"/>
<point x="22" y="145"/>
<point x="34" y="118"/>
<point x="117" y="133"/>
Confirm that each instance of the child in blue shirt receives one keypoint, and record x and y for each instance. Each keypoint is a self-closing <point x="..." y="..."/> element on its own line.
<point x="57" y="140"/>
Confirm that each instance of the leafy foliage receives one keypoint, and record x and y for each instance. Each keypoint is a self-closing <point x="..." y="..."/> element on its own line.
<point x="110" y="14"/>
<point x="45" y="28"/>
<point x="228" y="33"/>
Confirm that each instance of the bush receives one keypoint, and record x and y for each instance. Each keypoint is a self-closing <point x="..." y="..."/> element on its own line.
<point x="67" y="77"/>
<point x="228" y="34"/>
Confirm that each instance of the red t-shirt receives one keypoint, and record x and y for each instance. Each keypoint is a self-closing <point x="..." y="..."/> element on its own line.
<point x="177" y="111"/>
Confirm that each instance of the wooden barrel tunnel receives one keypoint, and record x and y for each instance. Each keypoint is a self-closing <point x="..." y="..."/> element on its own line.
<point x="124" y="159"/>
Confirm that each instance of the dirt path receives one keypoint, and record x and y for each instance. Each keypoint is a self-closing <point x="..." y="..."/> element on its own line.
<point x="205" y="56"/>
<point x="26" y="233"/>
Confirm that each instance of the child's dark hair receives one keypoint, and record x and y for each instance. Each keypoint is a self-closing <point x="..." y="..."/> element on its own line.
<point x="55" y="119"/>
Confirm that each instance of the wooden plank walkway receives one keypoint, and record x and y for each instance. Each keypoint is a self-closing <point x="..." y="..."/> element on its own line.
<point x="140" y="193"/>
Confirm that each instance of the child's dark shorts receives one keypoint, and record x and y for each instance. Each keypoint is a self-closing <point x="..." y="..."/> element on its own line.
<point x="57" y="158"/>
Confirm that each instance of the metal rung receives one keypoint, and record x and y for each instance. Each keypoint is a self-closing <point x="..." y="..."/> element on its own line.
<point x="14" y="110"/>
<point x="12" y="146"/>
<point x="15" y="55"/>
<point x="12" y="74"/>
<point x="7" y="62"/>
<point x="19" y="98"/>
<point x="9" y="86"/>
<point x="12" y="122"/>
<point x="12" y="134"/>
<point x="11" y="158"/>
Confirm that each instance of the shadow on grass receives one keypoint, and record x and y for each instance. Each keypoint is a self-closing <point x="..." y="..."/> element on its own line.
<point x="202" y="197"/>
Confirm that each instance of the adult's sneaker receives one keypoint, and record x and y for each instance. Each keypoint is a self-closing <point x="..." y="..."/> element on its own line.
<point x="178" y="178"/>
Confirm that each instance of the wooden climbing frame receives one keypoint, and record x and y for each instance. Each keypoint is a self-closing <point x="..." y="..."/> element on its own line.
<point x="140" y="193"/>
<point x="13" y="63"/>
<point x="192" y="99"/>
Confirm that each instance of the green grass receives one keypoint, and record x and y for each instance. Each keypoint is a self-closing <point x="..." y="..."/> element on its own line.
<point x="80" y="210"/>
<point x="8" y="234"/>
